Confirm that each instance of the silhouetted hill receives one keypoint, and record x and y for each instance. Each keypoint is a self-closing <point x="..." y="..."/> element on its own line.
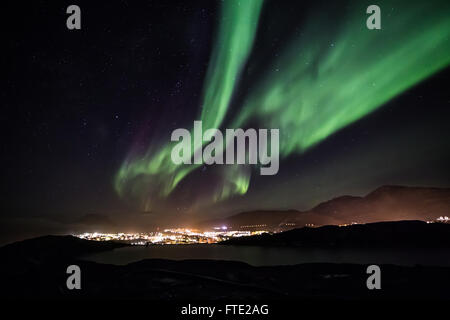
<point x="38" y="250"/>
<point x="405" y="234"/>
<point x="387" y="203"/>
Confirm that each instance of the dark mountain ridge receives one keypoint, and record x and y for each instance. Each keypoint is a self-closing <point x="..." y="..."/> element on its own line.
<point x="387" y="203"/>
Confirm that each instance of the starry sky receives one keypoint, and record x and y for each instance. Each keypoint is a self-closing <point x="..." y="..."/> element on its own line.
<point x="87" y="114"/>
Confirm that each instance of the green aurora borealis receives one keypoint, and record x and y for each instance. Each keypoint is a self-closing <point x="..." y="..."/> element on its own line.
<point x="327" y="76"/>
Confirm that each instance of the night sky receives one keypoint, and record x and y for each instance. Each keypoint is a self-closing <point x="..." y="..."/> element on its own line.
<point x="84" y="110"/>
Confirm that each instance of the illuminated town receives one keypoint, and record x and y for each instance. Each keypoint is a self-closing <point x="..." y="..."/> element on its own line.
<point x="194" y="236"/>
<point x="170" y="236"/>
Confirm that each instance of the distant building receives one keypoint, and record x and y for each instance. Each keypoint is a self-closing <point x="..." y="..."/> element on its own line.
<point x="442" y="219"/>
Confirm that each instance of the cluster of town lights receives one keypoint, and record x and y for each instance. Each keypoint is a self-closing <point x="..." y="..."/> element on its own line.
<point x="171" y="236"/>
<point x="192" y="236"/>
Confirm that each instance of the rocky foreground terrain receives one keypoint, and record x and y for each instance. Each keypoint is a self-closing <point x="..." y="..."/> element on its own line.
<point x="36" y="268"/>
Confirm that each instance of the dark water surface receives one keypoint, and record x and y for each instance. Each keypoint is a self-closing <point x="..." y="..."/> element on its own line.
<point x="266" y="256"/>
